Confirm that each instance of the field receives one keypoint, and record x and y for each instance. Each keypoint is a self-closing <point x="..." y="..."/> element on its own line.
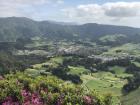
<point x="77" y="70"/>
<point x="102" y="82"/>
<point x="129" y="48"/>
<point x="106" y="83"/>
<point x="53" y="63"/>
<point x="119" y="71"/>
<point x="132" y="98"/>
<point x="136" y="63"/>
<point x="111" y="38"/>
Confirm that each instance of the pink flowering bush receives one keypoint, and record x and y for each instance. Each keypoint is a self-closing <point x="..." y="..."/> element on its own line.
<point x="88" y="100"/>
<point x="10" y="101"/>
<point x="31" y="98"/>
<point x="20" y="89"/>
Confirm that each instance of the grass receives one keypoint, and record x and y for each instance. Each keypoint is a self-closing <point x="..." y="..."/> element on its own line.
<point x="136" y="63"/>
<point x="129" y="48"/>
<point x="30" y="52"/>
<point x="111" y="38"/>
<point x="117" y="69"/>
<point x="32" y="72"/>
<point x="105" y="87"/>
<point x="104" y="82"/>
<point x="77" y="70"/>
<point x="53" y="63"/>
<point x="58" y="60"/>
<point x="132" y="98"/>
<point x="107" y="83"/>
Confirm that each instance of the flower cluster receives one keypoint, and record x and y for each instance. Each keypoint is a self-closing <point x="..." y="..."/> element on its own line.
<point x="10" y="101"/>
<point x="31" y="99"/>
<point x="1" y="77"/>
<point x="19" y="89"/>
<point x="88" y="100"/>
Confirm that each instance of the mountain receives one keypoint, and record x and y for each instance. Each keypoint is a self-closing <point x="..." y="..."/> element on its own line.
<point x="64" y="23"/>
<point x="13" y="28"/>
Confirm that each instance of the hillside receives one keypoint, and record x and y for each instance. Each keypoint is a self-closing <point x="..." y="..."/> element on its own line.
<point x="15" y="27"/>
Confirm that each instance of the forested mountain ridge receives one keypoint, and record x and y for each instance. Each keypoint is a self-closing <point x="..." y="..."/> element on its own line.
<point x="15" y="27"/>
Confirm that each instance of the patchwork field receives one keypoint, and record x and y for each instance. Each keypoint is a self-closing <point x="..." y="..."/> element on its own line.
<point x="104" y="82"/>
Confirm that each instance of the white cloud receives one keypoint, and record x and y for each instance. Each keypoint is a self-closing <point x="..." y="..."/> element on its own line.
<point x="118" y="9"/>
<point x="122" y="9"/>
<point x="25" y="8"/>
<point x="60" y="1"/>
<point x="121" y="12"/>
<point x="84" y="11"/>
<point x="29" y="2"/>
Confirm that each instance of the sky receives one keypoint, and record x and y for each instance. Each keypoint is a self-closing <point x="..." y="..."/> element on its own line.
<point x="114" y="12"/>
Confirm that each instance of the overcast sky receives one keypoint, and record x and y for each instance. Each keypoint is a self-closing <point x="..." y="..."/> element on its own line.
<point x="126" y="12"/>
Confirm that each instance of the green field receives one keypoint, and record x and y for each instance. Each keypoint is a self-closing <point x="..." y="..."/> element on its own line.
<point x="132" y="98"/>
<point x="58" y="60"/>
<point x="129" y="48"/>
<point x="53" y="63"/>
<point x="111" y="38"/>
<point x="136" y="63"/>
<point x="104" y="82"/>
<point x="77" y="70"/>
<point x="107" y="82"/>
<point x="119" y="71"/>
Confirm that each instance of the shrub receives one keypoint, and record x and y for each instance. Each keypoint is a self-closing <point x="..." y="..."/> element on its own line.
<point x="19" y="88"/>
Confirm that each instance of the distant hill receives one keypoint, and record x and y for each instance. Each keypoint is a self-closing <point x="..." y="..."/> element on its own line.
<point x="15" y="27"/>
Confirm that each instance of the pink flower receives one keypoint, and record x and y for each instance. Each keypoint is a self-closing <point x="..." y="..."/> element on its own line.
<point x="87" y="100"/>
<point x="31" y="99"/>
<point x="1" y="77"/>
<point x="36" y="100"/>
<point x="9" y="101"/>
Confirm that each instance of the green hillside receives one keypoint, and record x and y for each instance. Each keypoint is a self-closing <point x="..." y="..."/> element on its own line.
<point x="13" y="28"/>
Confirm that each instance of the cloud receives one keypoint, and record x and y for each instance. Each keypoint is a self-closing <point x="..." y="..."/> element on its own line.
<point x="29" y="2"/>
<point x="118" y="9"/>
<point x="60" y="1"/>
<point x="25" y="8"/>
<point x="121" y="9"/>
<point x="84" y="10"/>
<point x="117" y="13"/>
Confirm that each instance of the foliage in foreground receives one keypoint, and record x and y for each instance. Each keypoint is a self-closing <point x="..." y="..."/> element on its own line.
<point x="20" y="89"/>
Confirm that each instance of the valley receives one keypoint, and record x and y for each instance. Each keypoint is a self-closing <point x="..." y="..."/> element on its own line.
<point x="103" y="67"/>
